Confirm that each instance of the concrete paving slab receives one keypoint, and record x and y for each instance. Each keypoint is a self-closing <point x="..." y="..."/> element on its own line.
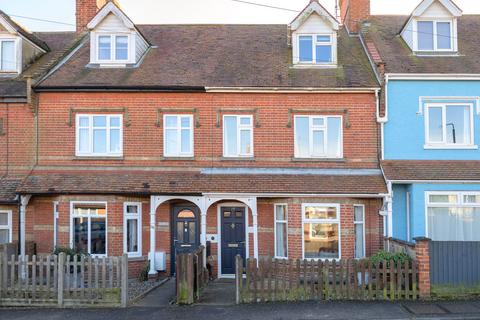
<point x="160" y="297"/>
<point x="219" y="292"/>
<point x="460" y="307"/>
<point x="424" y="308"/>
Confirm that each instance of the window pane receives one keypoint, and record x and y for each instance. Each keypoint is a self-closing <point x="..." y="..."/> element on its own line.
<point x="435" y="131"/>
<point x="171" y="141"/>
<point x="121" y="48"/>
<point x="191" y="232"/>
<point x="281" y="240"/>
<point x="280" y="212"/>
<point x="98" y="236"/>
<point x="318" y="142"/>
<point x="458" y="124"/>
<point x="99" y="141"/>
<point x="4" y="235"/>
<point x="359" y="241"/>
<point x="186" y="138"/>
<point x="3" y="219"/>
<point x="180" y="232"/>
<point x="471" y="198"/>
<point x="8" y="56"/>
<point x="301" y="137"/>
<point x="245" y="142"/>
<point x="320" y="213"/>
<point x="84" y="121"/>
<point x="321" y="240"/>
<point x="104" y="47"/>
<point x="171" y="121"/>
<point x="425" y="35"/>
<point x="99" y="121"/>
<point x="230" y="124"/>
<point x="454" y="224"/>
<point x="358" y="213"/>
<point x="324" y="54"/>
<point x="80" y="234"/>
<point x="83" y="140"/>
<point x="318" y="121"/>
<point x="443" y="198"/>
<point x="323" y="38"/>
<point x="306" y="49"/>
<point x="114" y="121"/>
<point x="132" y="209"/>
<point x="132" y="235"/>
<point x="245" y="121"/>
<point x="444" y="40"/>
<point x="115" y="140"/>
<point x="185" y="122"/>
<point x="334" y="128"/>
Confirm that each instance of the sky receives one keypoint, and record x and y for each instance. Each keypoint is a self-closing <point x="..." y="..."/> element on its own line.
<point x="192" y="11"/>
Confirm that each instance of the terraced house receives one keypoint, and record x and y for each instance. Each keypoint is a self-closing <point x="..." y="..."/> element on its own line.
<point x="258" y="140"/>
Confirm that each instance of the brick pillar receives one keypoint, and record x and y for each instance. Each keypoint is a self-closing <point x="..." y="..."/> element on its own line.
<point x="423" y="259"/>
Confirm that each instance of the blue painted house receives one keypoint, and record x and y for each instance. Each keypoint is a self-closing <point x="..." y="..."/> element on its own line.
<point x="429" y="63"/>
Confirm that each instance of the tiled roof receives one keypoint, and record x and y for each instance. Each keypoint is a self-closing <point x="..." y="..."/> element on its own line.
<point x="384" y="32"/>
<point x="168" y="182"/>
<point x="431" y="170"/>
<point x="219" y="56"/>
<point x="7" y="189"/>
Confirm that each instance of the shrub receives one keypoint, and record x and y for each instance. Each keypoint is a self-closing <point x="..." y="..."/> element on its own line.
<point x="69" y="252"/>
<point x="143" y="275"/>
<point x="397" y="257"/>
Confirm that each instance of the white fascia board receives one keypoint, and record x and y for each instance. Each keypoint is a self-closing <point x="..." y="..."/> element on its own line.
<point x="12" y="30"/>
<point x="299" y="195"/>
<point x="313" y="7"/>
<point x="110" y="8"/>
<point x="435" y="181"/>
<point x="433" y="76"/>
<point x="448" y="4"/>
<point x="290" y="90"/>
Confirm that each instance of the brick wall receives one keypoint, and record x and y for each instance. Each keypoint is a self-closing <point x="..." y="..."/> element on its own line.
<point x="353" y="12"/>
<point x="423" y="259"/>
<point x="143" y="140"/>
<point x="85" y="11"/>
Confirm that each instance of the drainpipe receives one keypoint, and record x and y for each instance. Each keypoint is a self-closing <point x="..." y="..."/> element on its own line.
<point x="23" y="210"/>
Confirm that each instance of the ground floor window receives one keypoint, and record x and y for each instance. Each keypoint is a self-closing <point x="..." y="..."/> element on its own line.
<point x="359" y="223"/>
<point x="453" y="216"/>
<point x="132" y="229"/>
<point x="89" y="227"/>
<point x="281" y="231"/>
<point x="5" y="227"/>
<point x="55" y="223"/>
<point x="321" y="231"/>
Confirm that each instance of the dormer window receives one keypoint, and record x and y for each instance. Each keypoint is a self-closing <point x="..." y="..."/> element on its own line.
<point x="315" y="49"/>
<point x="434" y="36"/>
<point x="8" y="57"/>
<point x="112" y="48"/>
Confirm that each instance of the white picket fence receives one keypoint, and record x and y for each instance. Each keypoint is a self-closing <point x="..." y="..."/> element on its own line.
<point x="63" y="280"/>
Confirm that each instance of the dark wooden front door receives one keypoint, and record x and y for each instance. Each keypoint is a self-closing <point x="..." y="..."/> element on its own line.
<point x="185" y="231"/>
<point x="233" y="236"/>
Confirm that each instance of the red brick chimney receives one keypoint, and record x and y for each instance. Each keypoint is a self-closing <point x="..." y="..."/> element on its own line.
<point x="353" y="12"/>
<point x="85" y="11"/>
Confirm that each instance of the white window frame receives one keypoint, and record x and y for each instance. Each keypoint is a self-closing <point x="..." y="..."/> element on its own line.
<point x="113" y="45"/>
<point x="459" y="204"/>
<point x="138" y="217"/>
<point x="275" y="227"/>
<point x="453" y="42"/>
<point x="355" y="222"/>
<point x="72" y="216"/>
<point x="311" y="129"/>
<point x="240" y="128"/>
<point x="444" y="144"/>
<point x="90" y="152"/>
<point x="17" y="54"/>
<point x="322" y="221"/>
<point x="178" y="128"/>
<point x="55" y="223"/>
<point x="9" y="225"/>
<point x="332" y="43"/>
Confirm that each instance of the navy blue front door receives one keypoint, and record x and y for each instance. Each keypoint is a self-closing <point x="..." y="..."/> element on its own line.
<point x="233" y="237"/>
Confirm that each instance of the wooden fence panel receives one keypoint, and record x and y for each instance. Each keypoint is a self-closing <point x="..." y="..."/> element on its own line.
<point x="286" y="280"/>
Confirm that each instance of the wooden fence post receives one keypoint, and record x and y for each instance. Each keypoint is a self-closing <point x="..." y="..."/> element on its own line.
<point x="61" y="274"/>
<point x="124" y="279"/>
<point x="238" y="278"/>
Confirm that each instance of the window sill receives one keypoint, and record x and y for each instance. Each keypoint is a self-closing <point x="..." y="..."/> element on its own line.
<point x="98" y="158"/>
<point x="450" y="147"/>
<point x="237" y="159"/>
<point x="313" y="65"/>
<point x="294" y="159"/>
<point x="172" y="158"/>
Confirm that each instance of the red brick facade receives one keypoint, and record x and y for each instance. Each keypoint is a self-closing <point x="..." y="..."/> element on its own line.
<point x="353" y="12"/>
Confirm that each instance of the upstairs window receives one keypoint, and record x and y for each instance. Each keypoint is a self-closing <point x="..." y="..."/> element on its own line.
<point x="178" y="136"/>
<point x="237" y="136"/>
<point x="99" y="135"/>
<point x="449" y="125"/>
<point x="8" y="61"/>
<point x="434" y="36"/>
<point x="315" y="49"/>
<point x="112" y="48"/>
<point x="318" y="137"/>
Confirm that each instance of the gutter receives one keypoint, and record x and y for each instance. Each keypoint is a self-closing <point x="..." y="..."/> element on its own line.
<point x="434" y="76"/>
<point x="190" y="89"/>
<point x="290" y="90"/>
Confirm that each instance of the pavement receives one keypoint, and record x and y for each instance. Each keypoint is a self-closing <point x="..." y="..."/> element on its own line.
<point x="218" y="303"/>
